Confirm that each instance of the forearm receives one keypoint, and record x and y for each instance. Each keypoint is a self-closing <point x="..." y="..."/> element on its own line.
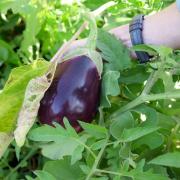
<point x="162" y="28"/>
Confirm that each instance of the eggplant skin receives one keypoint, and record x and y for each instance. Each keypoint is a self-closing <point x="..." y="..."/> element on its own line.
<point x="74" y="93"/>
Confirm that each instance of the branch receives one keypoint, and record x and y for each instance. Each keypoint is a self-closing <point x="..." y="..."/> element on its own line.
<point x="143" y="98"/>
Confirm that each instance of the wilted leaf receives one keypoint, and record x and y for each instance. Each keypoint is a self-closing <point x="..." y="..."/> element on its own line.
<point x="14" y="91"/>
<point x="5" y="140"/>
<point x="34" y="93"/>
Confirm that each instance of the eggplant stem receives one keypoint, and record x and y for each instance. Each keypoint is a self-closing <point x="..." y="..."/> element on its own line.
<point x="91" y="40"/>
<point x="64" y="48"/>
<point x="87" y="148"/>
<point x="103" y="8"/>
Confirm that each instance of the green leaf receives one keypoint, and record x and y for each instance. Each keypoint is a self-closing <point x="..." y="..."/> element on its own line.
<point x="139" y="174"/>
<point x="113" y="51"/>
<point x="169" y="159"/>
<point x="86" y="169"/>
<point x="30" y="178"/>
<point x="98" y="145"/>
<point x="71" y="131"/>
<point x="167" y="81"/>
<point x="62" y="169"/>
<point x="43" y="175"/>
<point x="152" y="140"/>
<point x="58" y="150"/>
<point x="150" y="114"/>
<point x="168" y="84"/>
<point x="166" y="123"/>
<point x="96" y="131"/>
<point x="146" y="48"/>
<point x="60" y="142"/>
<point x="147" y="175"/>
<point x="7" y="54"/>
<point x="47" y="133"/>
<point x="97" y="59"/>
<point x="161" y="50"/>
<point x="140" y="165"/>
<point x="6" y="4"/>
<point x="122" y="122"/>
<point x="135" y="75"/>
<point x="125" y="151"/>
<point x="13" y="93"/>
<point x="77" y="154"/>
<point x="93" y="4"/>
<point x="33" y="16"/>
<point x="132" y="134"/>
<point x="110" y="87"/>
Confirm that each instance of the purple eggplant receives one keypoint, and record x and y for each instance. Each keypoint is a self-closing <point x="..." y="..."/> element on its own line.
<point x="74" y="93"/>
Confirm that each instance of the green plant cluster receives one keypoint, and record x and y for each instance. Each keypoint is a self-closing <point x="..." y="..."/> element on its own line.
<point x="30" y="29"/>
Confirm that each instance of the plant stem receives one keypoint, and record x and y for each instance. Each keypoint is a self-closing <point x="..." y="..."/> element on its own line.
<point x="3" y="161"/>
<point x="103" y="8"/>
<point x="166" y="95"/>
<point x="113" y="173"/>
<point x="130" y="105"/>
<point x="151" y="81"/>
<point x="143" y="98"/>
<point x="64" y="48"/>
<point x="91" y="40"/>
<point x="97" y="161"/>
<point x="173" y="133"/>
<point x="101" y="117"/>
<point x="109" y="172"/>
<point x="30" y="154"/>
<point x="88" y="149"/>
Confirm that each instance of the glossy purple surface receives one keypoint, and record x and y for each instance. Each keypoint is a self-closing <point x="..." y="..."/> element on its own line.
<point x="74" y="93"/>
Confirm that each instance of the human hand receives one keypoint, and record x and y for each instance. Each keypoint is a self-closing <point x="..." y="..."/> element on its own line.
<point x="158" y="29"/>
<point x="121" y="33"/>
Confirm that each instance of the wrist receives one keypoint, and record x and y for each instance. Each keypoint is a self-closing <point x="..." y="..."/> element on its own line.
<point x="162" y="28"/>
<point x="150" y="32"/>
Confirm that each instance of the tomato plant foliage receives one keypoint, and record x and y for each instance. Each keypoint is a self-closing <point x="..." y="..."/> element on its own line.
<point x="134" y="135"/>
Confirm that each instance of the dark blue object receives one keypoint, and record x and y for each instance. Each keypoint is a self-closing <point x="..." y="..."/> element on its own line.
<point x="74" y="93"/>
